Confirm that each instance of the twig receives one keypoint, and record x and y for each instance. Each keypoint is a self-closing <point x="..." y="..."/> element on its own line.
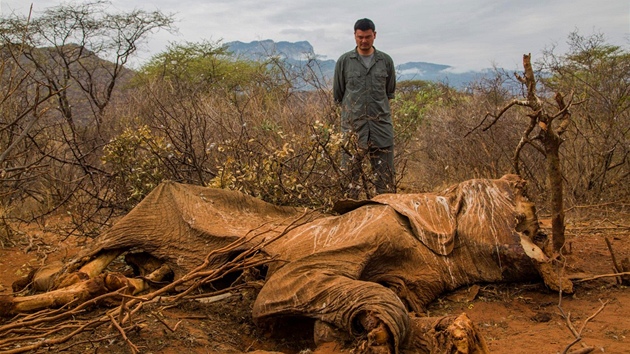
<point x="578" y="334"/>
<point x="593" y="315"/>
<point x="39" y="314"/>
<point x="37" y="335"/>
<point x="616" y="266"/>
<point x="177" y="325"/>
<point x="621" y="228"/>
<point x="123" y="302"/>
<point x="570" y="345"/>
<point x="594" y="205"/>
<point x="567" y="316"/>
<point x="583" y="350"/>
<point x="133" y="347"/>
<point x="49" y="342"/>
<point x="194" y="317"/>
<point x="223" y="291"/>
<point x="163" y="322"/>
<point x="91" y="341"/>
<point x="57" y="315"/>
<point x="602" y="276"/>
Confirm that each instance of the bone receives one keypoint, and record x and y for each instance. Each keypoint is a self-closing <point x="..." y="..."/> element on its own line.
<point x="76" y="293"/>
<point x="90" y="270"/>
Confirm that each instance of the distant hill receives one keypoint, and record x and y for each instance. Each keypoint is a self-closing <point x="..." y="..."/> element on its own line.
<point x="88" y="76"/>
<point x="438" y="73"/>
<point x="302" y="53"/>
<point x="266" y="48"/>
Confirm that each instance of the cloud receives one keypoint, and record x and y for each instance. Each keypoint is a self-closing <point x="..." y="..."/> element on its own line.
<point x="466" y="34"/>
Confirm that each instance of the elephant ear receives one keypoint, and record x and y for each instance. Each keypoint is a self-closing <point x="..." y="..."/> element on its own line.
<point x="432" y="217"/>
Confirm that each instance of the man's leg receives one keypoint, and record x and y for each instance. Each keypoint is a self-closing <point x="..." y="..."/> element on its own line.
<point x="382" y="160"/>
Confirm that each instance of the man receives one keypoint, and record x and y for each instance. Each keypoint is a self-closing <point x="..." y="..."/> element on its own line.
<point x="364" y="82"/>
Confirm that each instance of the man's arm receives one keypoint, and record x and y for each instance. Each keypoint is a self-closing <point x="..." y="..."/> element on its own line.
<point x="391" y="80"/>
<point x="339" y="82"/>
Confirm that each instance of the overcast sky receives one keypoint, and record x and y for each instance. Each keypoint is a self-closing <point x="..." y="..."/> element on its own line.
<point x="465" y="34"/>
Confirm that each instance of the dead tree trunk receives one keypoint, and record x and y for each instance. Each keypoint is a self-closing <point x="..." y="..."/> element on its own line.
<point x="554" y="183"/>
<point x="546" y="140"/>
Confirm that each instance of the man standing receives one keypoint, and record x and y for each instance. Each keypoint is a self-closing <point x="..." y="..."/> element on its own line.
<point x="364" y="82"/>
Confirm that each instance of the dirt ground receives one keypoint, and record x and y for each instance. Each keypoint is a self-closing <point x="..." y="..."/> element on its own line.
<point x="513" y="318"/>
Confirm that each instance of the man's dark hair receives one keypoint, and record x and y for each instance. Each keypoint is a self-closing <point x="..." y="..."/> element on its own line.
<point x="364" y="24"/>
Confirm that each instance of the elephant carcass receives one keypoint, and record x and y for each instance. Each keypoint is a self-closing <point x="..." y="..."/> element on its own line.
<point x="359" y="273"/>
<point x="396" y="253"/>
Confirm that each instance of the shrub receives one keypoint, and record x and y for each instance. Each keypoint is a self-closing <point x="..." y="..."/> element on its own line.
<point x="136" y="160"/>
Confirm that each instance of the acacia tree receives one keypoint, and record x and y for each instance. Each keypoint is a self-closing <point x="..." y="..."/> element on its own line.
<point x="80" y="48"/>
<point x="215" y="119"/>
<point x="76" y="54"/>
<point x="181" y="91"/>
<point x="22" y="104"/>
<point x="599" y="148"/>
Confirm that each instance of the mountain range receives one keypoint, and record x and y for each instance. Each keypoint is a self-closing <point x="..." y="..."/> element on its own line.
<point x="301" y="54"/>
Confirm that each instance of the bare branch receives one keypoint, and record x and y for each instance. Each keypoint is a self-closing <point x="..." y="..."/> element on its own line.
<point x="496" y="117"/>
<point x="602" y="276"/>
<point x="133" y="347"/>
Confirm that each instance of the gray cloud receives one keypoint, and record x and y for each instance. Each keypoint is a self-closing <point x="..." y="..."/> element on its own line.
<point x="465" y="34"/>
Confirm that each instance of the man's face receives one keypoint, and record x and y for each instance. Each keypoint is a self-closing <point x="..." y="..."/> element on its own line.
<point x="364" y="39"/>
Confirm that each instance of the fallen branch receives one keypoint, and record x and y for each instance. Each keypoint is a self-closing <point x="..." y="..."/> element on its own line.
<point x="57" y="315"/>
<point x="579" y="280"/>
<point x="570" y="345"/>
<point x="133" y="347"/>
<point x="594" y="315"/>
<point x="49" y="342"/>
<point x="157" y="317"/>
<point x="579" y="228"/>
<point x="616" y="266"/>
<point x="583" y="351"/>
<point x="578" y="334"/>
<point x="91" y="341"/>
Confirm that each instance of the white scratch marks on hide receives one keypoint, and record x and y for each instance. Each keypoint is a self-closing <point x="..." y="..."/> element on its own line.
<point x="339" y="230"/>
